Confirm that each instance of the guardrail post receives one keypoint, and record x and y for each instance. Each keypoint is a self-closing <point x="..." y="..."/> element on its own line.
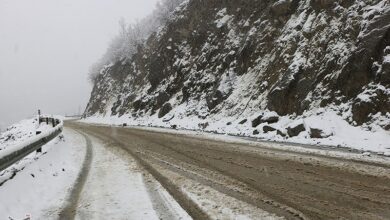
<point x="39" y="150"/>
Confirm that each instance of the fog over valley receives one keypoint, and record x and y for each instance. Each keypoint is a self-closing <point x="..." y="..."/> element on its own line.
<point x="47" y="48"/>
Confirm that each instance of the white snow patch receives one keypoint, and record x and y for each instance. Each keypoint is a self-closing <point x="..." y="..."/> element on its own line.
<point x="39" y="190"/>
<point x="116" y="188"/>
<point x="220" y="206"/>
<point x="113" y="190"/>
<point x="223" y="18"/>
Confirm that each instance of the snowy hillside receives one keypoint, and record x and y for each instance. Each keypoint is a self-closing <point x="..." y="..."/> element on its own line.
<point x="306" y="71"/>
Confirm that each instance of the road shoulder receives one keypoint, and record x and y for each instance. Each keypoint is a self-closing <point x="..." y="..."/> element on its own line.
<point x="117" y="188"/>
<point x="38" y="189"/>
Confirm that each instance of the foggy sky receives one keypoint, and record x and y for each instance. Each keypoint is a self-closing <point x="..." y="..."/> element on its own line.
<point x="47" y="47"/>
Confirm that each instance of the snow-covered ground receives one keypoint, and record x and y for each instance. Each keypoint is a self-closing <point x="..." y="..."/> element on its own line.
<point x="18" y="136"/>
<point x="216" y="204"/>
<point x="115" y="186"/>
<point x="40" y="185"/>
<point x="116" y="189"/>
<point x="39" y="190"/>
<point x="18" y="132"/>
<point x="23" y="131"/>
<point x="332" y="124"/>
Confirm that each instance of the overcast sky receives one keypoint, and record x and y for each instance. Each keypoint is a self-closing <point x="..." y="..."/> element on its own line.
<point x="47" y="47"/>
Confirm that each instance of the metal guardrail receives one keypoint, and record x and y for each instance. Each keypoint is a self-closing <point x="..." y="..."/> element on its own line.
<point x="13" y="157"/>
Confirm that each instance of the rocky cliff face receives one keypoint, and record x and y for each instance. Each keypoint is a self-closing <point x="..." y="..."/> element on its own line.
<point x="237" y="58"/>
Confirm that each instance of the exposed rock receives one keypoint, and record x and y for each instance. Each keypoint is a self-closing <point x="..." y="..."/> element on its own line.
<point x="385" y="73"/>
<point x="373" y="39"/>
<point x="295" y="130"/>
<point x="280" y="133"/>
<point x="243" y="121"/>
<point x="261" y="119"/>
<point x="257" y="121"/>
<point x="267" y="129"/>
<point x="229" y="123"/>
<point x="161" y="99"/>
<point x="165" y="109"/>
<point x="203" y="125"/>
<point x="322" y="4"/>
<point x="174" y="126"/>
<point x="315" y="55"/>
<point x="374" y="99"/>
<point x="270" y="120"/>
<point x="256" y="132"/>
<point x="361" y="110"/>
<point x="214" y="99"/>
<point x="137" y="105"/>
<point x="318" y="133"/>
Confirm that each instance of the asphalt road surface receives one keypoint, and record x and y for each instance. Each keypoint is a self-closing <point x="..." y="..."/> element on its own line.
<point x="289" y="184"/>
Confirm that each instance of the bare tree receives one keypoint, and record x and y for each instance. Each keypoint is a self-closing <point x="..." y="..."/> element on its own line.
<point x="124" y="45"/>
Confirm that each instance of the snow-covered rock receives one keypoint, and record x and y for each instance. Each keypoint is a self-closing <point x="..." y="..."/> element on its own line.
<point x="323" y="62"/>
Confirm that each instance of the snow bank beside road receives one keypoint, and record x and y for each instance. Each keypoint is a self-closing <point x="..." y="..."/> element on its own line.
<point x="22" y="131"/>
<point x="336" y="130"/>
<point x="115" y="186"/>
<point x="40" y="188"/>
<point x="18" y="132"/>
<point x="17" y="137"/>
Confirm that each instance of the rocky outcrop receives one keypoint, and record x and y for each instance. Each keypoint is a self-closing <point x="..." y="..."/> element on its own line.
<point x="374" y="99"/>
<point x="280" y="133"/>
<point x="257" y="121"/>
<point x="165" y="109"/>
<point x="203" y="125"/>
<point x="267" y="129"/>
<point x="238" y="58"/>
<point x="318" y="133"/>
<point x="264" y="119"/>
<point x="270" y="119"/>
<point x="243" y="121"/>
<point x="295" y="130"/>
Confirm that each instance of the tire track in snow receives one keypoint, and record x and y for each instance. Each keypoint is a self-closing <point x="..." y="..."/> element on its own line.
<point x="189" y="205"/>
<point x="69" y="211"/>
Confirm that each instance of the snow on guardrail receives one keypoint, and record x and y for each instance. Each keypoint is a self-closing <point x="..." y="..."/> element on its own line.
<point x="16" y="152"/>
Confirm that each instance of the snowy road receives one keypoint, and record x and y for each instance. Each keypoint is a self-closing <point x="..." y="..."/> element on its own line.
<point x="111" y="185"/>
<point x="79" y="176"/>
<point x="227" y="180"/>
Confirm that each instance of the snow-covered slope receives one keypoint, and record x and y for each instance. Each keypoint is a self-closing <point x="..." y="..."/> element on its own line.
<point x="18" y="132"/>
<point x="18" y="136"/>
<point x="21" y="131"/>
<point x="315" y="70"/>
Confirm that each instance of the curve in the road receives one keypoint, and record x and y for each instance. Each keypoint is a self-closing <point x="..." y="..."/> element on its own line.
<point x="304" y="184"/>
<point x="190" y="206"/>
